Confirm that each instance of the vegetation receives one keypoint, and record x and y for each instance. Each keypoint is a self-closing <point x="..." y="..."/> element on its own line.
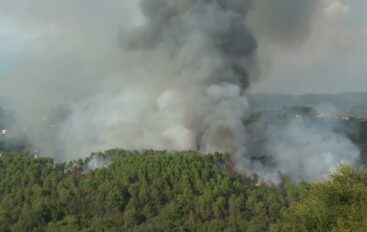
<point x="158" y="191"/>
<point x="339" y="205"/>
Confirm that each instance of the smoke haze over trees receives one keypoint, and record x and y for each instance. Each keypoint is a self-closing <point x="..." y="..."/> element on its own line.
<point x="151" y="74"/>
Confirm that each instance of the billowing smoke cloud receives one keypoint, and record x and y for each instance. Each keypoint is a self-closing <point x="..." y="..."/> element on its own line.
<point x="148" y="74"/>
<point x="191" y="62"/>
<point x="307" y="151"/>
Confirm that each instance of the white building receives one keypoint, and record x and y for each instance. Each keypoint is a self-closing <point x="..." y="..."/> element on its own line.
<point x="345" y="117"/>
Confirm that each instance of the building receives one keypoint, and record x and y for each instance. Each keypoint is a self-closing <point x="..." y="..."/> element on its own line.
<point x="344" y="117"/>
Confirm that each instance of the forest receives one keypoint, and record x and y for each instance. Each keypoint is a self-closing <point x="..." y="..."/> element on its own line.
<point x="162" y="191"/>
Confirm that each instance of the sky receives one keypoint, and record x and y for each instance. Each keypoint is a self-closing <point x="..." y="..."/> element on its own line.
<point x="333" y="59"/>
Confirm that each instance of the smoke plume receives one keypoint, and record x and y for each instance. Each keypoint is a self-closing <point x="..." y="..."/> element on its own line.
<point x="148" y="74"/>
<point x="308" y="151"/>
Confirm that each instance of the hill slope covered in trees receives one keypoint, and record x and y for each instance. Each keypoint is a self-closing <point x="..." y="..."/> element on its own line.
<point x="157" y="191"/>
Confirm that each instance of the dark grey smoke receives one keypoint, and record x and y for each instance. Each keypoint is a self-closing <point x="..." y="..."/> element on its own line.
<point x="170" y="25"/>
<point x="284" y="22"/>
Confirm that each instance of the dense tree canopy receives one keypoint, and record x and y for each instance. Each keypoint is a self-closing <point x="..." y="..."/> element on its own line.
<point x="160" y="191"/>
<point x="339" y="205"/>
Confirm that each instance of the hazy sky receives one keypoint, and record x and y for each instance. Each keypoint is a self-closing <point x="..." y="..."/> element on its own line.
<point x="333" y="59"/>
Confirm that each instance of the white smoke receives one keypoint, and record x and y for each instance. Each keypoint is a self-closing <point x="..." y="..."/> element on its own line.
<point x="308" y="151"/>
<point x="96" y="161"/>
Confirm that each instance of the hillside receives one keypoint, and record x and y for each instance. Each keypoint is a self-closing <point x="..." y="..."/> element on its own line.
<point x="159" y="191"/>
<point x="352" y="103"/>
